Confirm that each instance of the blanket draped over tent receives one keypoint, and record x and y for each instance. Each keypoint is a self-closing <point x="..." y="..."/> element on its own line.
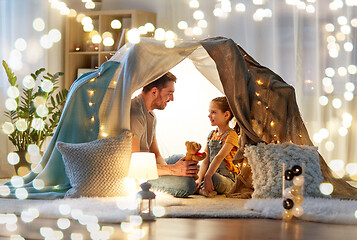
<point x="263" y="104"/>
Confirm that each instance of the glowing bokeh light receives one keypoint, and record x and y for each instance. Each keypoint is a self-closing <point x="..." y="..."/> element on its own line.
<point x="96" y="39"/>
<point x="342" y="71"/>
<point x="323" y="100"/>
<point x="142" y="30"/>
<point x="198" y="15"/>
<point x="46" y="86"/>
<point x="116" y="24"/>
<point x="329" y="89"/>
<point x="86" y="20"/>
<point x="352" y="69"/>
<point x="326" y="81"/>
<point x="72" y="13"/>
<point x="46" y="42"/>
<point x="89" y="5"/>
<point x="330" y="72"/>
<point x="197" y="31"/>
<point x="134" y="35"/>
<point x="326" y="188"/>
<point x="63" y="223"/>
<point x="38" y="124"/>
<point x="182" y="25"/>
<point x="13" y="92"/>
<point x="158" y="211"/>
<point x="10" y="104"/>
<point x="169" y="43"/>
<point x="346" y="29"/>
<point x="348" y="46"/>
<point x="13" y="158"/>
<point x="39" y="101"/>
<point x="28" y="82"/>
<point x="354" y="22"/>
<point x="343" y="131"/>
<point x="38" y="183"/>
<point x="330" y="146"/>
<point x="160" y="34"/>
<point x="8" y="128"/>
<point x="342" y="20"/>
<point x="218" y="12"/>
<point x="42" y="111"/>
<point x="80" y="17"/>
<point x="202" y="23"/>
<point x="324" y="133"/>
<point x="4" y="190"/>
<point x="317" y="138"/>
<point x="88" y="27"/>
<point x="20" y="44"/>
<point x="348" y="96"/>
<point x="55" y="35"/>
<point x="64" y="209"/>
<point x="240" y="7"/>
<point x="21" y="125"/>
<point x="149" y="27"/>
<point x="108" y="41"/>
<point x="77" y="236"/>
<point x="38" y="24"/>
<point x="170" y="35"/>
<point x="194" y="4"/>
<point x="336" y="103"/>
<point x="310" y="8"/>
<point x="21" y="193"/>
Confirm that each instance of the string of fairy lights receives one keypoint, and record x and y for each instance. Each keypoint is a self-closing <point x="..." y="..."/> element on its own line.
<point x="338" y="44"/>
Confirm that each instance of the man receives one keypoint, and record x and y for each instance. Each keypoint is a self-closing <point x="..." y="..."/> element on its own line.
<point x="175" y="174"/>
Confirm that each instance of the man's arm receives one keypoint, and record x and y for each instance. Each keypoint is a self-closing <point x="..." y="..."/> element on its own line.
<point x="154" y="148"/>
<point x="135" y="144"/>
<point x="181" y="168"/>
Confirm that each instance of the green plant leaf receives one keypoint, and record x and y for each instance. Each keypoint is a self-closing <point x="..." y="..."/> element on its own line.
<point x="10" y="74"/>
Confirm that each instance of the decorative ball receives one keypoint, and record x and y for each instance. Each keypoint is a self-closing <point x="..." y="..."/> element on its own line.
<point x="287" y="214"/>
<point x="297" y="170"/>
<point x="299" y="180"/>
<point x="295" y="190"/>
<point x="298" y="200"/>
<point x="288" y="203"/>
<point x="297" y="211"/>
<point x="289" y="175"/>
<point x="287" y="193"/>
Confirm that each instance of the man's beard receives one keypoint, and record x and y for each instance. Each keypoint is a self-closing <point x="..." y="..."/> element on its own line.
<point x="158" y="104"/>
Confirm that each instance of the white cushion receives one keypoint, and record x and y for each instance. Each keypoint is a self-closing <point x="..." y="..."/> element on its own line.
<point x="266" y="161"/>
<point x="97" y="168"/>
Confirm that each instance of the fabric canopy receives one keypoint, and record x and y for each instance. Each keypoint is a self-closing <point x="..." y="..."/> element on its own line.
<point x="263" y="104"/>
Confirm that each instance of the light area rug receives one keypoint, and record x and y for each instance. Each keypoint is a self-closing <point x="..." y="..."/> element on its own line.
<point x="110" y="210"/>
<point x="315" y="209"/>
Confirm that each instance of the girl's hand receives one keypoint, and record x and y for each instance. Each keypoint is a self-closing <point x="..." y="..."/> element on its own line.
<point x="198" y="183"/>
<point x="208" y="184"/>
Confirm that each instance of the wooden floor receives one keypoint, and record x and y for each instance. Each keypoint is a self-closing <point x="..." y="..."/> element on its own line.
<point x="202" y="229"/>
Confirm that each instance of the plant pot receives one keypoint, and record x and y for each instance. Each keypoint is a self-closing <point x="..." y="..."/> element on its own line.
<point x="23" y="167"/>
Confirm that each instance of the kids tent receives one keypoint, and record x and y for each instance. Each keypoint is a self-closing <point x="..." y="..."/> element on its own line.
<point x="257" y="97"/>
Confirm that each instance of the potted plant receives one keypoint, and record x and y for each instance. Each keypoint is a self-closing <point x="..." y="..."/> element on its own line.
<point x="33" y="115"/>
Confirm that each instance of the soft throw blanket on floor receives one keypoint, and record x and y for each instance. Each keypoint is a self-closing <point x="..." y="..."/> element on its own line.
<point x="107" y="209"/>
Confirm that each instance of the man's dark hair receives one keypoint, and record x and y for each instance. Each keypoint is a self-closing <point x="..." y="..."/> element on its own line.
<point x="160" y="83"/>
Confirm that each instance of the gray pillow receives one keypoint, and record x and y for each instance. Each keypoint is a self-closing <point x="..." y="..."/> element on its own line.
<point x="266" y="161"/>
<point x="97" y="168"/>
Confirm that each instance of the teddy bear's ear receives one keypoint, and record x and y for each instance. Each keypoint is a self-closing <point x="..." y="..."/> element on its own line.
<point x="186" y="143"/>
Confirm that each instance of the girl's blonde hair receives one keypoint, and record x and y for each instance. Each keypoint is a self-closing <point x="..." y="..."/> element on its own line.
<point x="223" y="105"/>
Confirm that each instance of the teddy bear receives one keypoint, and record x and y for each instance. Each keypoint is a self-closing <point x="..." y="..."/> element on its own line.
<point x="193" y="153"/>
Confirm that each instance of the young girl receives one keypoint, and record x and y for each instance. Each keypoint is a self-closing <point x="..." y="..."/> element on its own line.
<point x="217" y="172"/>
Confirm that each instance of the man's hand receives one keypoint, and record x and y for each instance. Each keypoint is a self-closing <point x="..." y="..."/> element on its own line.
<point x="185" y="168"/>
